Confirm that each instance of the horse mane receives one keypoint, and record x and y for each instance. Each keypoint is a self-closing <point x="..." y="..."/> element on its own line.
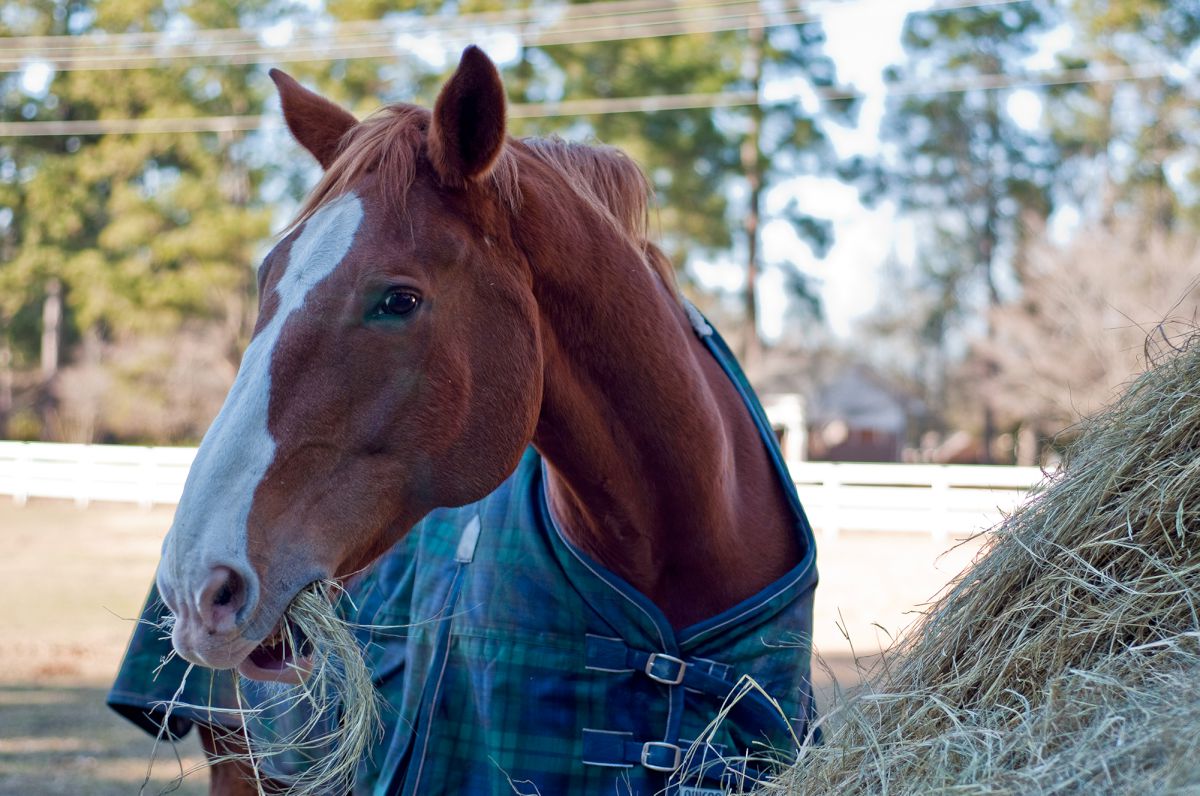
<point x="611" y="182"/>
<point x="392" y="140"/>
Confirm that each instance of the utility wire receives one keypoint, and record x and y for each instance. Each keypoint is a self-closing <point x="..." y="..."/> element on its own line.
<point x="161" y="42"/>
<point x="590" y="10"/>
<point x="581" y="11"/>
<point x="391" y="45"/>
<point x="596" y="107"/>
<point x="574" y="24"/>
<point x="207" y="124"/>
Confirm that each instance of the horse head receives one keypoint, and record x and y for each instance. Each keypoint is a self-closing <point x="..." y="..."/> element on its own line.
<point x="396" y="366"/>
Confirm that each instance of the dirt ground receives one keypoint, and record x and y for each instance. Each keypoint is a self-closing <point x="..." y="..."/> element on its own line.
<point x="70" y="578"/>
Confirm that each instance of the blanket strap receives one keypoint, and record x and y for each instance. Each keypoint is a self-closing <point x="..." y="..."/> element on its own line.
<point x="697" y="674"/>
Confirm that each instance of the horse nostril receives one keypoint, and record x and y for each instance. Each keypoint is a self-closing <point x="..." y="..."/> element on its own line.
<point x="220" y="599"/>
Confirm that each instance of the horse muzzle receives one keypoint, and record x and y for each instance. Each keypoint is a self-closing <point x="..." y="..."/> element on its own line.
<point x="211" y="609"/>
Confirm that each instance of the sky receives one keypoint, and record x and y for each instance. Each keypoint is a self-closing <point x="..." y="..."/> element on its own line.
<point x="863" y="38"/>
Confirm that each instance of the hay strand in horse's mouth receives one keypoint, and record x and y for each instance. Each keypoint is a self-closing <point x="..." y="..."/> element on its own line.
<point x="310" y="736"/>
<point x="288" y="648"/>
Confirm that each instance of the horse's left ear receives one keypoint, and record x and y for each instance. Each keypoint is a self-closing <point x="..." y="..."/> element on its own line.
<point x="467" y="134"/>
<point x="318" y="124"/>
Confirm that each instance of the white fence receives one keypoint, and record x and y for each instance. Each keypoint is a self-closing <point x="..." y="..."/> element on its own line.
<point x="940" y="499"/>
<point x="86" y="473"/>
<point x="907" y="498"/>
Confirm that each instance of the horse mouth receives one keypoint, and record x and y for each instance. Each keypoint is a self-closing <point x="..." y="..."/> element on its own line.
<point x="285" y="656"/>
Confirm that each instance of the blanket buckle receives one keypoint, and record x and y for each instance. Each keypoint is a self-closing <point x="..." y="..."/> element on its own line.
<point x="665" y="669"/>
<point x="655" y="755"/>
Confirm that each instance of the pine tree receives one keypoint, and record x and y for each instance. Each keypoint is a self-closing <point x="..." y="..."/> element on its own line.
<point x="132" y="233"/>
<point x="962" y="165"/>
<point x="1130" y="145"/>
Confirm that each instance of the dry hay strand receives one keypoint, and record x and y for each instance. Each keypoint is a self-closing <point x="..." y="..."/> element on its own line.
<point x="742" y="771"/>
<point x="307" y="738"/>
<point x="1065" y="659"/>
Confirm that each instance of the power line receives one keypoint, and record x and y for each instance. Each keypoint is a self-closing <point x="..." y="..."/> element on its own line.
<point x="609" y="8"/>
<point x="121" y="44"/>
<point x="186" y="124"/>
<point x="208" y="124"/>
<point x="574" y="24"/>
<point x="596" y="107"/>
<point x="510" y="16"/>
<point x="1057" y="77"/>
<point x="387" y="46"/>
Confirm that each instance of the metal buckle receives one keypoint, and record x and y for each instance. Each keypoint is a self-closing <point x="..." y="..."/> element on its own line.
<point x="650" y="746"/>
<point x="655" y="657"/>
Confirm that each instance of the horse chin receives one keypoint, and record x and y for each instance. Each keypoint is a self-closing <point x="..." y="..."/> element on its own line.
<point x="196" y="645"/>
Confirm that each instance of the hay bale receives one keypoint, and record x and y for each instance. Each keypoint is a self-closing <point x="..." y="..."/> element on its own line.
<point x="1065" y="659"/>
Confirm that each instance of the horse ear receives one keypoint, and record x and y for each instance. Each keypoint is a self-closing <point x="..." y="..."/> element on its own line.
<point x="315" y="122"/>
<point x="467" y="133"/>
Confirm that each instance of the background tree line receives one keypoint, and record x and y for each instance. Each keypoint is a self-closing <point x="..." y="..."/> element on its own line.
<point x="1047" y="253"/>
<point x="127" y="261"/>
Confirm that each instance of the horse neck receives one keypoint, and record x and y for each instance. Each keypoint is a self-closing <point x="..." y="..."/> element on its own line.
<point x="655" y="467"/>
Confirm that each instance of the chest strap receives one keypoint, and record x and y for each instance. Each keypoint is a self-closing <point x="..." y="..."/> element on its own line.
<point x="752" y="711"/>
<point x="689" y="763"/>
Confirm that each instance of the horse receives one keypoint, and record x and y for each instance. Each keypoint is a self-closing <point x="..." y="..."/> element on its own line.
<point x="451" y="308"/>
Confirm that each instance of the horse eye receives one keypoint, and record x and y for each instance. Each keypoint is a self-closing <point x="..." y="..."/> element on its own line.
<point x="398" y="302"/>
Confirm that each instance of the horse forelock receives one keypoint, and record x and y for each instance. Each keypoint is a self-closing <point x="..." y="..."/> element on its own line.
<point x="392" y="141"/>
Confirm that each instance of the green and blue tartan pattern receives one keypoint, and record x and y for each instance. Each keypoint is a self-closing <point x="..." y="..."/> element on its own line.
<point x="510" y="662"/>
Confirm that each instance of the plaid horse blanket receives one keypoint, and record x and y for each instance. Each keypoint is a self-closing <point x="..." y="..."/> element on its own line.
<point x="510" y="662"/>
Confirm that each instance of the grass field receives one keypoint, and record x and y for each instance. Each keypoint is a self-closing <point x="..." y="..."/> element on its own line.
<point x="69" y="580"/>
<point x="67" y="577"/>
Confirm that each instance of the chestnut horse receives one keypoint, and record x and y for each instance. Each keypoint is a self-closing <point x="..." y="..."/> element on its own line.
<point x="448" y="297"/>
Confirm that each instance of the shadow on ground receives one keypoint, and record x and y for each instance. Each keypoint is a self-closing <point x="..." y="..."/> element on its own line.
<point x="63" y="740"/>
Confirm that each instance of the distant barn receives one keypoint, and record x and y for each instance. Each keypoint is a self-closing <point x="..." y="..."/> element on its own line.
<point x="856" y="416"/>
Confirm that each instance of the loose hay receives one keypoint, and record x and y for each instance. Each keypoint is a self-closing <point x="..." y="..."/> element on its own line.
<point x="1066" y="659"/>
<point x="309" y="738"/>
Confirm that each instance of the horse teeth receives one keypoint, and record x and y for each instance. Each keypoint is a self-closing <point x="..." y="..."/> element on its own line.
<point x="276" y="637"/>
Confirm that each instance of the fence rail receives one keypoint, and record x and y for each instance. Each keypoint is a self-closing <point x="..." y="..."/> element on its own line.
<point x="87" y="473"/>
<point x="942" y="500"/>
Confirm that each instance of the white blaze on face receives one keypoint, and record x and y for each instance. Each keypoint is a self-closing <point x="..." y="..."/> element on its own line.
<point x="210" y="523"/>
